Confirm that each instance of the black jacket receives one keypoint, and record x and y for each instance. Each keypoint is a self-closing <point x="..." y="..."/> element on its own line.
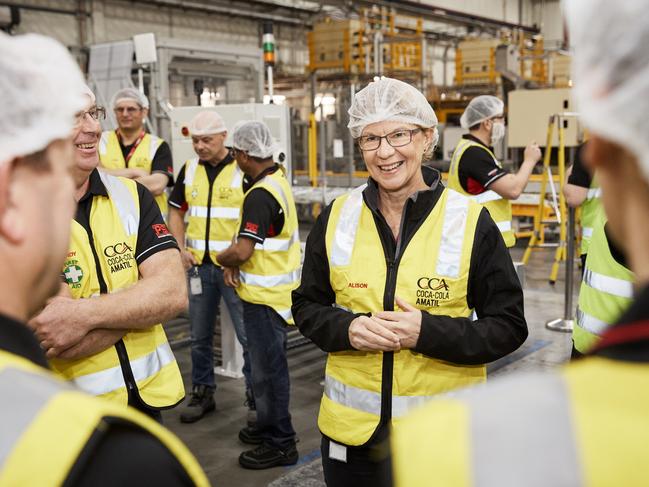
<point x="494" y="290"/>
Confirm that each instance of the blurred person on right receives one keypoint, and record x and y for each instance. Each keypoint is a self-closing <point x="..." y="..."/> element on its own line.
<point x="586" y="425"/>
<point x="582" y="191"/>
<point x="50" y="432"/>
<point x="476" y="172"/>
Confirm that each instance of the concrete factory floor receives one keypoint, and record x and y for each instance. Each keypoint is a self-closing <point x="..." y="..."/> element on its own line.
<point x="214" y="439"/>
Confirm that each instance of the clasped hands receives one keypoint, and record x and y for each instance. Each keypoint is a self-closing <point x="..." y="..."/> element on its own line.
<point x="387" y="331"/>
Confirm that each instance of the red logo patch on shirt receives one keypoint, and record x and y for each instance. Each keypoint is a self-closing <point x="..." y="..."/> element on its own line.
<point x="160" y="230"/>
<point x="251" y="227"/>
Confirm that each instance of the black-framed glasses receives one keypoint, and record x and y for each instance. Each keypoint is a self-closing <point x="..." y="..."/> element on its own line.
<point x="96" y="113"/>
<point x="398" y="138"/>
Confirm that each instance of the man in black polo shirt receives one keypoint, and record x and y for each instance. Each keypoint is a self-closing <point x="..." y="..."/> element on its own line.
<point x="74" y="439"/>
<point x="209" y="194"/>
<point x="263" y="264"/>
<point x="124" y="276"/>
<point x="475" y="171"/>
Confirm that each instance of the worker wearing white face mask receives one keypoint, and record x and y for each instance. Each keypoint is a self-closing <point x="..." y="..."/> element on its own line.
<point x="477" y="173"/>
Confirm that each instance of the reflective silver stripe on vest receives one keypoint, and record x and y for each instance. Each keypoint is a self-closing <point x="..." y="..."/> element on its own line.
<point x="278" y="244"/>
<point x="190" y="171"/>
<point x="269" y="281"/>
<point x="153" y="146"/>
<point x="215" y="245"/>
<point x="590" y="323"/>
<point x="237" y="177"/>
<point x="23" y="395"/>
<point x="527" y="420"/>
<point x="277" y="187"/>
<point x="112" y="379"/>
<point x="340" y="306"/>
<point x="346" y="228"/>
<point x="368" y="401"/>
<point x="103" y="143"/>
<point x="607" y="284"/>
<point x="123" y="201"/>
<point x="594" y="193"/>
<point x="587" y="232"/>
<point x="486" y="197"/>
<point x="504" y="226"/>
<point x="286" y="314"/>
<point x="224" y="212"/>
<point x="449" y="257"/>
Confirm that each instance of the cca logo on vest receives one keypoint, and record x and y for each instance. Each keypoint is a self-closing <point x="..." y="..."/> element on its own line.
<point x="117" y="249"/>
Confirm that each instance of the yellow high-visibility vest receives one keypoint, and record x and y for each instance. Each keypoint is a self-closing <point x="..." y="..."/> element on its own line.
<point x="606" y="292"/>
<point x="432" y="274"/>
<point x="223" y="203"/>
<point x="499" y="208"/>
<point x="592" y="214"/>
<point x="111" y="157"/>
<point x="47" y="424"/>
<point x="586" y="426"/>
<point x="273" y="271"/>
<point x="145" y="354"/>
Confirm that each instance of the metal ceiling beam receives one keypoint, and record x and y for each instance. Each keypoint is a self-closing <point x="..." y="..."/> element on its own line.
<point x="446" y="15"/>
<point x="222" y="9"/>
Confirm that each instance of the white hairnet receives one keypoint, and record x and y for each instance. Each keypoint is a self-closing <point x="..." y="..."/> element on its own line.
<point x="129" y="94"/>
<point x="389" y="99"/>
<point x="611" y="70"/>
<point x="254" y="138"/>
<point x="207" y="122"/>
<point x="41" y="91"/>
<point x="481" y="108"/>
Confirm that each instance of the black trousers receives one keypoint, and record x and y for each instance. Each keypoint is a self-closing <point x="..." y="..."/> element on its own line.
<point x="366" y="466"/>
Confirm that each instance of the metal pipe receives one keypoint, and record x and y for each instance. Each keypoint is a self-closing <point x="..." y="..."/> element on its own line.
<point x="269" y="70"/>
<point x="350" y="139"/>
<point x="44" y="9"/>
<point x="322" y="139"/>
<point x="217" y="9"/>
<point x="570" y="263"/>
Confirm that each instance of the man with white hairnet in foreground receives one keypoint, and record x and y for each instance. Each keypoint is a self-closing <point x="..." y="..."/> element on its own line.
<point x="476" y="172"/>
<point x="131" y="152"/>
<point x="123" y="278"/>
<point x="51" y="433"/>
<point x="263" y="264"/>
<point x="393" y="273"/>
<point x="586" y="425"/>
<point x="209" y="192"/>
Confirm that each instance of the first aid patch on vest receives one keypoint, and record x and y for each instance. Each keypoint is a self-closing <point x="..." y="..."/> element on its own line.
<point x="72" y="271"/>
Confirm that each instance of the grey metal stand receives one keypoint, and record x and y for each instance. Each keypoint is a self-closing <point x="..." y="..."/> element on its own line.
<point x="567" y="323"/>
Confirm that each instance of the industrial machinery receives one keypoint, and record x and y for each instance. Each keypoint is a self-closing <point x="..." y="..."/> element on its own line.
<point x="277" y="117"/>
<point x="174" y="73"/>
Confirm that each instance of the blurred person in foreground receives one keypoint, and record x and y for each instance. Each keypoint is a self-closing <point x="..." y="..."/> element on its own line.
<point x="52" y="433"/>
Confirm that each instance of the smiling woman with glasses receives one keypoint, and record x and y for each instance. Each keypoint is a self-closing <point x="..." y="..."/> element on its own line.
<point x="392" y="274"/>
<point x="398" y="138"/>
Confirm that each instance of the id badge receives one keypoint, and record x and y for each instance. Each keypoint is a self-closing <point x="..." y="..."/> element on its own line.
<point x="195" y="285"/>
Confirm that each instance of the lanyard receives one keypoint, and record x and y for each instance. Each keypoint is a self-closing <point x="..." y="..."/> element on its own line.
<point x="623" y="334"/>
<point x="133" y="148"/>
